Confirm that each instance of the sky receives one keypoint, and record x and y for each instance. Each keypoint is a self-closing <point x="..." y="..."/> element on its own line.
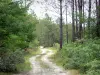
<point x="40" y="8"/>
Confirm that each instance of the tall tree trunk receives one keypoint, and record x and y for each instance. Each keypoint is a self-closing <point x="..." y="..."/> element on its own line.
<point x="80" y="18"/>
<point x="96" y="9"/>
<point x="89" y="17"/>
<point x="73" y="23"/>
<point x="61" y="30"/>
<point x="66" y="24"/>
<point x="98" y="18"/>
<point x="83" y="20"/>
<point x="76" y="19"/>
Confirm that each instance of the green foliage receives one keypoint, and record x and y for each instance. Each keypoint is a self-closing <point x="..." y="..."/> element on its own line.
<point x="93" y="29"/>
<point x="47" y="32"/>
<point x="2" y="73"/>
<point x="56" y="45"/>
<point x="85" y="57"/>
<point x="26" y="66"/>
<point x="8" y="62"/>
<point x="69" y="33"/>
<point x="17" y="30"/>
<point x="34" y="44"/>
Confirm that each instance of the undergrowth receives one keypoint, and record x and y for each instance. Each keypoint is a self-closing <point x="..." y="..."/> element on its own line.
<point x="80" y="56"/>
<point x="26" y="65"/>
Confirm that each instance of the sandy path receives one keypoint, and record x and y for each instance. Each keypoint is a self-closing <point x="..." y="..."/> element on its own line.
<point x="52" y="68"/>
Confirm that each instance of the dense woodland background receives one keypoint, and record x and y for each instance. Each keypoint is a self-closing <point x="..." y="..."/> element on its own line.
<point x="77" y="43"/>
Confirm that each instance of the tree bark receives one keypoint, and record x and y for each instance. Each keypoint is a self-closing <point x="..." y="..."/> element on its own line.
<point x="66" y="24"/>
<point x="73" y="23"/>
<point x="80" y="18"/>
<point x="83" y="20"/>
<point x="61" y="30"/>
<point x="98" y="18"/>
<point x="89" y="17"/>
<point x="76" y="19"/>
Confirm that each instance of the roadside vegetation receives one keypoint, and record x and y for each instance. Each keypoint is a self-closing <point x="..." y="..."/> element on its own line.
<point x="84" y="57"/>
<point x="26" y="66"/>
<point x="17" y="37"/>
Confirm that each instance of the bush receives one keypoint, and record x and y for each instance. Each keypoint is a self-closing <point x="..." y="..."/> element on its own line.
<point x="85" y="57"/>
<point x="34" y="44"/>
<point x="8" y="62"/>
<point x="17" y="30"/>
<point x="93" y="72"/>
<point x="56" y="45"/>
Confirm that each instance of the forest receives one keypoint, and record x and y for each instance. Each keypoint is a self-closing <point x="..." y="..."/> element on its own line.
<point x="71" y="32"/>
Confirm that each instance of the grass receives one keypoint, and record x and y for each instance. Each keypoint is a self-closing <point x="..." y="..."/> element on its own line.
<point x="1" y="73"/>
<point x="56" y="57"/>
<point x="73" y="72"/>
<point x="58" y="61"/>
<point x="53" y="57"/>
<point x="53" y="49"/>
<point x="26" y="66"/>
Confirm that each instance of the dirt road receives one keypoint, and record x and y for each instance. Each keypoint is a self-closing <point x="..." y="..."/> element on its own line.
<point x="41" y="65"/>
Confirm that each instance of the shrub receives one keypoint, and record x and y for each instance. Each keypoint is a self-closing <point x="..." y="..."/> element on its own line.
<point x="93" y="72"/>
<point x="56" y="45"/>
<point x="85" y="57"/>
<point x="8" y="62"/>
